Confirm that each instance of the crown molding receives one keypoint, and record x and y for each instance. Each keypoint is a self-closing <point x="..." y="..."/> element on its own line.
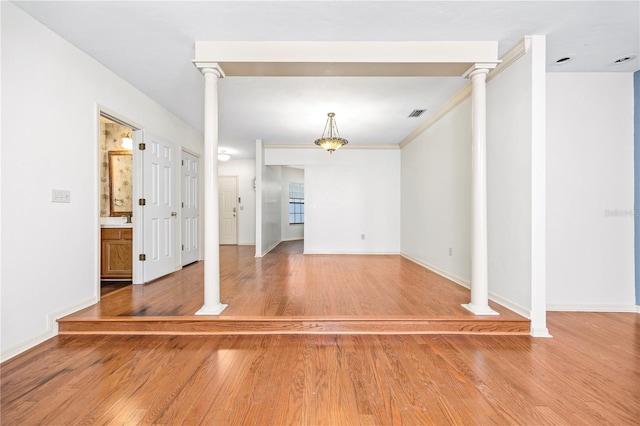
<point x="311" y="146"/>
<point x="515" y="53"/>
<point x="444" y="110"/>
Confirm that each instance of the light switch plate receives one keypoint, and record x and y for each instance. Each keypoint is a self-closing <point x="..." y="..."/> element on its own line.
<point x="60" y="196"/>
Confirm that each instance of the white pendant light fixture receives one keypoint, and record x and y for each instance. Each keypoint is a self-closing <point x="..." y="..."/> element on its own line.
<point x="331" y="140"/>
<point x="223" y="156"/>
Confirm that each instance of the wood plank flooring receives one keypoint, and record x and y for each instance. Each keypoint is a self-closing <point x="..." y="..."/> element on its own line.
<point x="287" y="292"/>
<point x="588" y="374"/>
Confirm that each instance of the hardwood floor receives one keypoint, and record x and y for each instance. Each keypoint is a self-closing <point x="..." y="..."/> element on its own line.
<point x="588" y="374"/>
<point x="107" y="287"/>
<point x="288" y="292"/>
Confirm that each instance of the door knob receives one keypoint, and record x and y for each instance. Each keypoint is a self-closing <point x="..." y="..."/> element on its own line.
<point x="174" y="214"/>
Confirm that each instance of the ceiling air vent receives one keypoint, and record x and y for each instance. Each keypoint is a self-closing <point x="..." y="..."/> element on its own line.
<point x="416" y="113"/>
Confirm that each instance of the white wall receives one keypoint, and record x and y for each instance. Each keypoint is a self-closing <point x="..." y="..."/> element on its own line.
<point x="436" y="196"/>
<point x="509" y="109"/>
<point x="436" y="189"/>
<point x="295" y="231"/>
<point x="271" y="207"/>
<point x="245" y="170"/>
<point x="50" y="97"/>
<point x="590" y="191"/>
<point x="350" y="193"/>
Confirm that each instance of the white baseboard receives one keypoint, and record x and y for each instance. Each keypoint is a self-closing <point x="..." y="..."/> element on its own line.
<point x="464" y="283"/>
<point x="540" y="332"/>
<point x="52" y="330"/>
<point x="520" y="310"/>
<point x="26" y="345"/>
<point x="269" y="249"/>
<point x="592" y="308"/>
<point x="292" y="239"/>
<point x="367" y="253"/>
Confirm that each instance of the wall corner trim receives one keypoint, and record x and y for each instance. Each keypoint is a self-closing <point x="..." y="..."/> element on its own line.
<point x="636" y="180"/>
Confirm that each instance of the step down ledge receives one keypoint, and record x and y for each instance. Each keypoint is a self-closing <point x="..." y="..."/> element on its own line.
<point x="228" y="325"/>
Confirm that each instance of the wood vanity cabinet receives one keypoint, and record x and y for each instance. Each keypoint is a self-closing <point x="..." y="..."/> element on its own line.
<point x="117" y="253"/>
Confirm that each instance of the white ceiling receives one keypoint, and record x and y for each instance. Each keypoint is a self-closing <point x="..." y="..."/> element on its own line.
<point x="151" y="45"/>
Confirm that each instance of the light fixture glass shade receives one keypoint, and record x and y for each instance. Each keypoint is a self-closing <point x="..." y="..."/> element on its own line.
<point x="331" y="140"/>
<point x="223" y="156"/>
<point x="331" y="144"/>
<point x="127" y="141"/>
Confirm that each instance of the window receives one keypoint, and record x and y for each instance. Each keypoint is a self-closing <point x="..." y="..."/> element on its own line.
<point x="296" y="203"/>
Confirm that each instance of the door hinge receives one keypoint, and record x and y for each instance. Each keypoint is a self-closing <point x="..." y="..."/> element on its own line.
<point x="142" y="146"/>
<point x="142" y="257"/>
<point x="183" y="205"/>
<point x="183" y="247"/>
<point x="142" y="202"/>
<point x="183" y="162"/>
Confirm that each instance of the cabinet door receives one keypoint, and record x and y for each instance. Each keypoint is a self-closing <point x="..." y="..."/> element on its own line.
<point x="116" y="254"/>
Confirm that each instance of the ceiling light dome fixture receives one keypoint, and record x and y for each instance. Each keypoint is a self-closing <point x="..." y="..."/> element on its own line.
<point x="331" y="140"/>
<point x="223" y="156"/>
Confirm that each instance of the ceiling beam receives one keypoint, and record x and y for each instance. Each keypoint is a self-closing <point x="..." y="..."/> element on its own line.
<point x="450" y="58"/>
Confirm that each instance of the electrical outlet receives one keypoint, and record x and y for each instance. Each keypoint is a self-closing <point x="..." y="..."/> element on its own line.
<point x="362" y="236"/>
<point x="450" y="251"/>
<point x="60" y="196"/>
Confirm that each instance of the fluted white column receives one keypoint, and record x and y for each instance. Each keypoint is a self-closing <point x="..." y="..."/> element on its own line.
<point x="212" y="305"/>
<point x="479" y="304"/>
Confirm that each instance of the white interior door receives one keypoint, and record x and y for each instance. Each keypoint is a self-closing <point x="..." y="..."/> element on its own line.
<point x="158" y="213"/>
<point x="190" y="208"/>
<point x="228" y="209"/>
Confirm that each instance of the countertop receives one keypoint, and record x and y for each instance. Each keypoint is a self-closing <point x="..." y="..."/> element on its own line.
<point x="114" y="222"/>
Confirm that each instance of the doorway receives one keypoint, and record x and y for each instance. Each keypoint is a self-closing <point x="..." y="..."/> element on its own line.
<point x="116" y="203"/>
<point x="190" y="208"/>
<point x="137" y="204"/>
<point x="228" y="209"/>
<point x="155" y="245"/>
